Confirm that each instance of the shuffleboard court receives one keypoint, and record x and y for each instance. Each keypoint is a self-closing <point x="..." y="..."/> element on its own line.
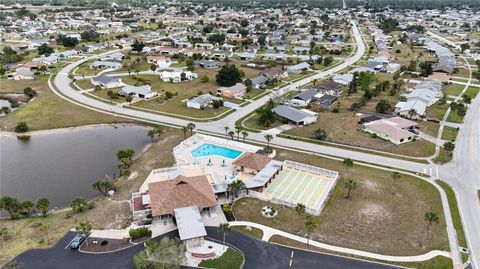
<point x="306" y="186"/>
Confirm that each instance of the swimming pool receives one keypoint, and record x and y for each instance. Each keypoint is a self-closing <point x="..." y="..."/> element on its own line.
<point x="209" y="150"/>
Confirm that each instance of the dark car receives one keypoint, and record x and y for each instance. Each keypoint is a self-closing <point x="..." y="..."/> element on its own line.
<point x="77" y="241"/>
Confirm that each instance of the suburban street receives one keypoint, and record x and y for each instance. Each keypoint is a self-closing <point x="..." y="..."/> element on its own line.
<point x="462" y="173"/>
<point x="258" y="254"/>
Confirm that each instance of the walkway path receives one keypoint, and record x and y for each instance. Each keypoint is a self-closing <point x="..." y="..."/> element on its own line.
<point x="268" y="232"/>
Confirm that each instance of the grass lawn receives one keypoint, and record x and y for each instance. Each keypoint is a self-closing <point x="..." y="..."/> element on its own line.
<point x="253" y="232"/>
<point x="437" y="110"/>
<point x="438" y="262"/>
<point x="462" y="72"/>
<point x="231" y="259"/>
<point x="84" y="69"/>
<point x="454" y="117"/>
<point x="85" y="84"/>
<point x="443" y="156"/>
<point x="428" y="127"/>
<point x="135" y="63"/>
<point x="472" y="92"/>
<point x="252" y="123"/>
<point x="457" y="220"/>
<point x="48" y="111"/>
<point x="453" y="89"/>
<point x="449" y="133"/>
<point x="378" y="206"/>
<point x="343" y="128"/>
<point x="182" y="91"/>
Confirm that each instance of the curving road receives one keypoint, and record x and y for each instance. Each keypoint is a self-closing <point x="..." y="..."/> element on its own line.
<point x="462" y="173"/>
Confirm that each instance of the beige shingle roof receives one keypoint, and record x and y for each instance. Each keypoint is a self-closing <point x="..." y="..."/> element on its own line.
<point x="252" y="160"/>
<point x="180" y="192"/>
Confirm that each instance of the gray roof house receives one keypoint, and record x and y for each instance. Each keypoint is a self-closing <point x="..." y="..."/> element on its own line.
<point x="106" y="81"/>
<point x="258" y="82"/>
<point x="329" y="87"/>
<point x="297" y="116"/>
<point x="246" y="56"/>
<point x="305" y="97"/>
<point x="207" y="64"/>
<point x="144" y="91"/>
<point x="298" y="67"/>
<point x="105" y="64"/>
<point x="201" y="101"/>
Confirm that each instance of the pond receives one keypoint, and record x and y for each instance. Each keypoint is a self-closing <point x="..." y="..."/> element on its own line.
<point x="63" y="165"/>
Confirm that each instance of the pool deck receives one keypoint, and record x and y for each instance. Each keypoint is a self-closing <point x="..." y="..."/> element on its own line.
<point x="219" y="168"/>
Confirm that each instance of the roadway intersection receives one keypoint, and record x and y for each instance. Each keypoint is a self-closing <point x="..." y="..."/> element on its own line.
<point x="462" y="173"/>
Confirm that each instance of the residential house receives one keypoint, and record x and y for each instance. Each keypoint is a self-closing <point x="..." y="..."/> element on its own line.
<point x="303" y="98"/>
<point x="202" y="101"/>
<point x="107" y="82"/>
<point x="177" y="76"/>
<point x="236" y="91"/>
<point x="296" y="116"/>
<point x="105" y="64"/>
<point x="21" y="73"/>
<point x="112" y="57"/>
<point x="259" y="82"/>
<point x="275" y="73"/>
<point x="298" y="68"/>
<point x="159" y="60"/>
<point x="246" y="56"/>
<point x="343" y="79"/>
<point x="326" y="100"/>
<point x="329" y="87"/>
<point x="144" y="91"/>
<point x="394" y="129"/>
<point x="207" y="64"/>
<point x="221" y="54"/>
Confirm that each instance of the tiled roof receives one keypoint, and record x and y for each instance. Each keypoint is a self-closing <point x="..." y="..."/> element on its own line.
<point x="252" y="160"/>
<point x="182" y="191"/>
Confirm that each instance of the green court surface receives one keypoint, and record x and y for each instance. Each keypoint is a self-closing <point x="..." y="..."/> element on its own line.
<point x="299" y="187"/>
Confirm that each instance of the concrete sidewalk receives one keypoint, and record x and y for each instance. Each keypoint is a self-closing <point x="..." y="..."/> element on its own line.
<point x="268" y="232"/>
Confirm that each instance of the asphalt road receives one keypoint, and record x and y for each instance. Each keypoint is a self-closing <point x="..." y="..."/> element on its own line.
<point x="258" y="254"/>
<point x="462" y="173"/>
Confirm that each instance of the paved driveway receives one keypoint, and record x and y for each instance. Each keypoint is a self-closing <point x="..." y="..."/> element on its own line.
<point x="258" y="254"/>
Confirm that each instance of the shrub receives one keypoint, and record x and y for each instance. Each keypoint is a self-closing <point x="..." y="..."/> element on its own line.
<point x="21" y="127"/>
<point x="140" y="232"/>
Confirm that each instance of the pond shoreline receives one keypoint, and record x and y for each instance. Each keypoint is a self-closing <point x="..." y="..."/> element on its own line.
<point x="69" y="129"/>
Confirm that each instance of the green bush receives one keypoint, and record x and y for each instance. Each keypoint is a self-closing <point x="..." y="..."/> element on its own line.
<point x="140" y="232"/>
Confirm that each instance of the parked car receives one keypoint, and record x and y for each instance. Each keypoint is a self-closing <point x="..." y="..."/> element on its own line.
<point x="77" y="241"/>
<point x="433" y="120"/>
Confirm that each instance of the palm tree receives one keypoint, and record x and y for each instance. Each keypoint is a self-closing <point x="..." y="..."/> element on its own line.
<point x="310" y="226"/>
<point x="314" y="82"/>
<point x="234" y="187"/>
<point x="270" y="104"/>
<point x="396" y="176"/>
<point x="151" y="133"/>
<point x="238" y="130"/>
<point x="244" y="134"/>
<point x="431" y="218"/>
<point x="184" y="131"/>
<point x="191" y="126"/>
<point x="231" y="134"/>
<point x="300" y="209"/>
<point x="84" y="227"/>
<point x="225" y="229"/>
<point x="350" y="184"/>
<point x="226" y="130"/>
<point x="412" y="112"/>
<point x="348" y="163"/>
<point x="269" y="138"/>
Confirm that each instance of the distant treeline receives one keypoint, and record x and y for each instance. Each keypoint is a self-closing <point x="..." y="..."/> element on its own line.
<point x="376" y="4"/>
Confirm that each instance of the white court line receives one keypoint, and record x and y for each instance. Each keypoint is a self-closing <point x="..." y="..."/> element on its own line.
<point x="307" y="188"/>
<point x="298" y="186"/>
<point x="289" y="185"/>
<point x="284" y="179"/>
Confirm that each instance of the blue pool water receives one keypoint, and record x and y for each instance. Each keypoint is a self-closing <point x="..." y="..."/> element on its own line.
<point x="209" y="150"/>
